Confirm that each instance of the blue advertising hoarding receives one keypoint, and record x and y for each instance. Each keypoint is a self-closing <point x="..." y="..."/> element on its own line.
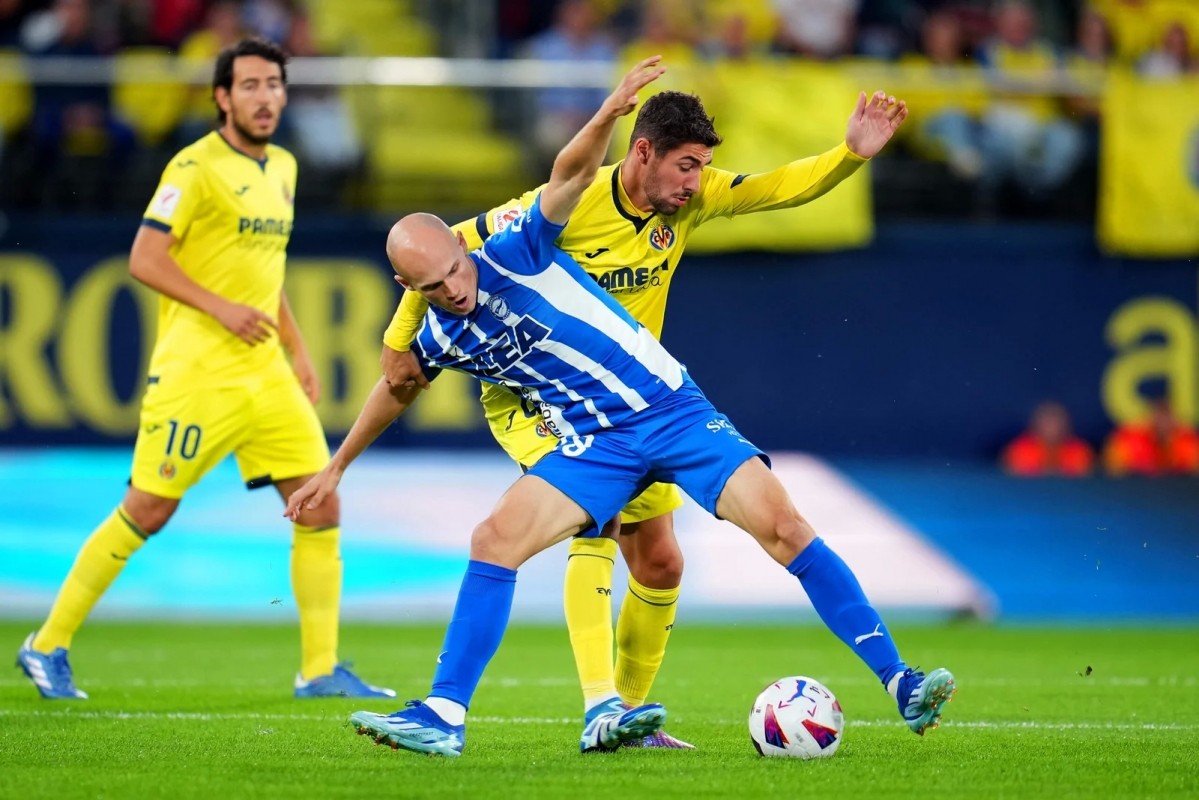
<point x="936" y="340"/>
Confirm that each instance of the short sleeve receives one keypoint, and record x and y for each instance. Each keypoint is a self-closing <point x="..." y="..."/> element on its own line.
<point x="527" y="245"/>
<point x="177" y="197"/>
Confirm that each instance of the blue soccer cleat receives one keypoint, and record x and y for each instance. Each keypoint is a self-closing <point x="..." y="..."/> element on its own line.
<point x="922" y="697"/>
<point x="660" y="740"/>
<point x="610" y="725"/>
<point x="50" y="672"/>
<point x="417" y="728"/>
<point x="339" y="683"/>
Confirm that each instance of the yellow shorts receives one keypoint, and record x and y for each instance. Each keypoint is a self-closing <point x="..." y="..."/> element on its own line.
<point x="188" y="428"/>
<point x="518" y="428"/>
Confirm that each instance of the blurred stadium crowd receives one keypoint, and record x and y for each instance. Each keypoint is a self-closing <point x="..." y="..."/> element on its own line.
<point x="1006" y="94"/>
<point x="1160" y="444"/>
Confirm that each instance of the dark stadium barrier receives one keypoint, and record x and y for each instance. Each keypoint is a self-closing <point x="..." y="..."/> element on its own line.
<point x="936" y="340"/>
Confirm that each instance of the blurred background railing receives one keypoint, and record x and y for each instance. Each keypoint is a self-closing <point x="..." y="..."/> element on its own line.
<point x="401" y="103"/>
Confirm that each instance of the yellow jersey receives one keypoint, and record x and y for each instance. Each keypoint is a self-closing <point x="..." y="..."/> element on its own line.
<point x="231" y="216"/>
<point x="633" y="255"/>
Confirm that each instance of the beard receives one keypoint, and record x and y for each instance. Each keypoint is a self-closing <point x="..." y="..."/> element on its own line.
<point x="248" y="135"/>
<point x="660" y="205"/>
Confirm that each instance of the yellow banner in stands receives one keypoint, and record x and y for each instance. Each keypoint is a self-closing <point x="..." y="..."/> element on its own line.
<point x="1149" y="167"/>
<point x="769" y="113"/>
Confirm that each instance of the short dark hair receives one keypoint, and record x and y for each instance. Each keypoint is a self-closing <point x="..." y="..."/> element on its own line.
<point x="222" y="74"/>
<point x="670" y="119"/>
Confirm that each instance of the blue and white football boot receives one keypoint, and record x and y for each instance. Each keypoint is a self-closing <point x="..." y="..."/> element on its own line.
<point x="922" y="697"/>
<point x="417" y="728"/>
<point x="609" y="725"/>
<point x="50" y="672"/>
<point x="341" y="682"/>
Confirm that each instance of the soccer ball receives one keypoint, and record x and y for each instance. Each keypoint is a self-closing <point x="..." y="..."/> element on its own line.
<point x="797" y="718"/>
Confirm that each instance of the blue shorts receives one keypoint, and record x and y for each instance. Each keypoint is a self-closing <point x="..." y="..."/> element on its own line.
<point x="682" y="440"/>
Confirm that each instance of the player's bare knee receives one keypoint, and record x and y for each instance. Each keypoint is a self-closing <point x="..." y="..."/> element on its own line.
<point x="792" y="534"/>
<point x="491" y="543"/>
<point x="326" y="515"/>
<point x="149" y="512"/>
<point x="655" y="561"/>
<point x="658" y="568"/>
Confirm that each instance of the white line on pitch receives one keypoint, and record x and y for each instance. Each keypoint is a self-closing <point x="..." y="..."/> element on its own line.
<point x="1163" y="681"/>
<point x="200" y="716"/>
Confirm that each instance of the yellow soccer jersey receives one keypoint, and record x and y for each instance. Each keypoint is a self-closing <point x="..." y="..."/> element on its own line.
<point x="632" y="255"/>
<point x="231" y="217"/>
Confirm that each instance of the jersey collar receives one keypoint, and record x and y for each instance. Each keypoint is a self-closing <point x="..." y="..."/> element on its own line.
<point x="261" y="162"/>
<point x="621" y="201"/>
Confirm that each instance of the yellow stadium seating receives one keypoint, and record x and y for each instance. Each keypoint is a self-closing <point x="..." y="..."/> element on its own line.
<point x="16" y="95"/>
<point x="370" y="27"/>
<point x="154" y="109"/>
<point x="425" y="145"/>
<point x="469" y="170"/>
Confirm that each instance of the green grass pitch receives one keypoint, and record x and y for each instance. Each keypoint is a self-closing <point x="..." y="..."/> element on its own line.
<point x="189" y="710"/>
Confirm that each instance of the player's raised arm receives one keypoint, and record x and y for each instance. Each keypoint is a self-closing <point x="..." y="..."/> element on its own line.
<point x="384" y="404"/>
<point x="873" y="122"/>
<point x="577" y="162"/>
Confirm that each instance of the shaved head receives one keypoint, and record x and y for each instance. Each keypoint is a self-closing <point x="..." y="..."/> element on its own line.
<point x="429" y="258"/>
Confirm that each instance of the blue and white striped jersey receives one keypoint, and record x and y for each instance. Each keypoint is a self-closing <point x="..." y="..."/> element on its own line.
<point x="544" y="329"/>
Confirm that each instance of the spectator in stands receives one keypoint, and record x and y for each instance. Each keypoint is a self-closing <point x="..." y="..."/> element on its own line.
<point x="1024" y="136"/>
<point x="319" y="122"/>
<point x="884" y="27"/>
<point x="670" y="28"/>
<point x="1160" y="445"/>
<point x="1087" y="68"/>
<point x="1172" y="58"/>
<point x="73" y="119"/>
<point x="222" y="28"/>
<point x="732" y="40"/>
<point x="1048" y="446"/>
<point x="946" y="123"/>
<point x="736" y="30"/>
<point x="270" y="19"/>
<point x="560" y="112"/>
<point x="820" y="29"/>
<point x="12" y="17"/>
<point x="172" y="20"/>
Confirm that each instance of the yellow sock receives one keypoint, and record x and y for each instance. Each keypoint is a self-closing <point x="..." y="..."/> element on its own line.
<point x="646" y="618"/>
<point x="316" y="583"/>
<point x="587" y="598"/>
<point x="100" y="560"/>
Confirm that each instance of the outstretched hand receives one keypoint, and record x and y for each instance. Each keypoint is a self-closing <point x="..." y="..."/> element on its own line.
<point x="313" y="493"/>
<point x="873" y="123"/>
<point x="624" y="98"/>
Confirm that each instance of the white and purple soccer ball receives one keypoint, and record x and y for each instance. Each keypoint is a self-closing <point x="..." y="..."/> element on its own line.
<point x="796" y="718"/>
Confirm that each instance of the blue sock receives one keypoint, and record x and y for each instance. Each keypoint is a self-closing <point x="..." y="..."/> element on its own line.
<point x="480" y="618"/>
<point x="841" y="603"/>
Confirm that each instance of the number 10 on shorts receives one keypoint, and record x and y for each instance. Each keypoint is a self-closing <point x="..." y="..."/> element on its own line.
<point x="188" y="438"/>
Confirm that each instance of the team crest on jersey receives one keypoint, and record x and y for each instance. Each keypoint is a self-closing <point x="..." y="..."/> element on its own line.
<point x="502" y="219"/>
<point x="287" y="196"/>
<point x="166" y="470"/>
<point x="543" y="430"/>
<point x="498" y="306"/>
<point x="661" y="237"/>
